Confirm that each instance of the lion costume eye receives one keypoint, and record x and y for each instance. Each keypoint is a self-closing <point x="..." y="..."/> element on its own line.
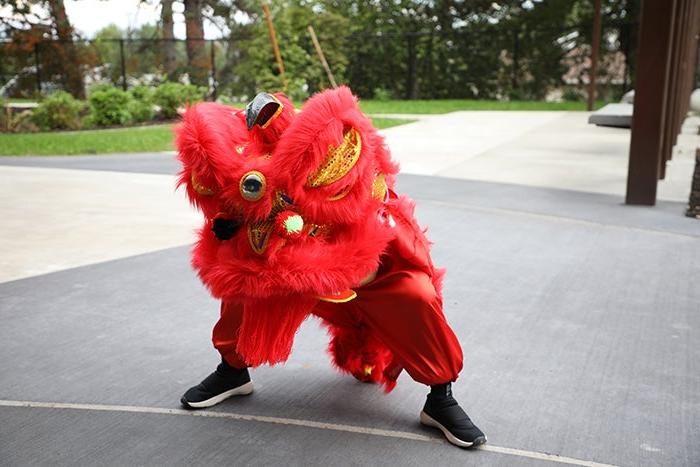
<point x="252" y="186"/>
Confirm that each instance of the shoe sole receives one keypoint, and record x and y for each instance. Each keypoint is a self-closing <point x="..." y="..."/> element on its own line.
<point x="242" y="390"/>
<point x="427" y="420"/>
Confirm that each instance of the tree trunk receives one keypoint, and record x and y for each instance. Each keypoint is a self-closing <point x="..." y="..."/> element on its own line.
<point x="71" y="69"/>
<point x="196" y="53"/>
<point x="166" y="19"/>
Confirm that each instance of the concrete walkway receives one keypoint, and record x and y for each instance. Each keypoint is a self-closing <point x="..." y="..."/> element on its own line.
<point x="578" y="317"/>
<point x="544" y="149"/>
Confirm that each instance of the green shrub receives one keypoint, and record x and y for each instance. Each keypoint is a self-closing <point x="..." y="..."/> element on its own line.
<point x="382" y="94"/>
<point x="58" y="111"/>
<point x="141" y="104"/>
<point x="572" y="95"/>
<point x="109" y="106"/>
<point x="23" y="122"/>
<point x="170" y="96"/>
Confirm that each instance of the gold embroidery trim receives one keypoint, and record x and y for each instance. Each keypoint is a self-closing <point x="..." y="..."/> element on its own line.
<point x="259" y="232"/>
<point x="339" y="162"/>
<point x="199" y="188"/>
<point x="341" y="297"/>
<point x="341" y="194"/>
<point x="317" y="230"/>
<point x="274" y="115"/>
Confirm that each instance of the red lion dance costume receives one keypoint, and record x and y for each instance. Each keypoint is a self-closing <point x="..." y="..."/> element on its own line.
<point x="301" y="218"/>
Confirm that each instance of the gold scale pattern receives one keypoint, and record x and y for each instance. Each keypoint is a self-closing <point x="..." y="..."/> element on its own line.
<point x="339" y="162"/>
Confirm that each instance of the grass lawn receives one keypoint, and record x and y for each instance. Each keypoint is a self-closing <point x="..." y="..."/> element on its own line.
<point x="389" y="122"/>
<point x="370" y="106"/>
<point x="136" y="139"/>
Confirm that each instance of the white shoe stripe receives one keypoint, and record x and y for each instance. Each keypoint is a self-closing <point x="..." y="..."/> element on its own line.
<point x="242" y="390"/>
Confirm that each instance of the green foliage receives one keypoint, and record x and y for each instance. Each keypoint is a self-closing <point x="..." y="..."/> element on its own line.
<point x="382" y="94"/>
<point x="417" y="49"/>
<point x="22" y="122"/>
<point x="141" y="104"/>
<point x="254" y="69"/>
<point x="572" y="95"/>
<point x="109" y="106"/>
<point x="58" y="111"/>
<point x="170" y="96"/>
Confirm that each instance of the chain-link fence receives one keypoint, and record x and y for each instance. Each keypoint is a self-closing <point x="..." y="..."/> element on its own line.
<point x="45" y="66"/>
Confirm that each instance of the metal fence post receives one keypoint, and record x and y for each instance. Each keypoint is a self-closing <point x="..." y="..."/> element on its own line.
<point x="411" y="78"/>
<point x="212" y="54"/>
<point x="36" y="64"/>
<point x="516" y="50"/>
<point x="123" y="63"/>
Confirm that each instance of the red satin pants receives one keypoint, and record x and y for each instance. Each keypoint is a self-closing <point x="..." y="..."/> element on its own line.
<point x="400" y="306"/>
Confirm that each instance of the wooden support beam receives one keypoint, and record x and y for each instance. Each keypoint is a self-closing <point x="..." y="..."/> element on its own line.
<point x="651" y="94"/>
<point x="669" y="134"/>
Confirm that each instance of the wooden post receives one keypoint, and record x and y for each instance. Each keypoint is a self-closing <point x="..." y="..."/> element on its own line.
<point x="669" y="135"/>
<point x="319" y="51"/>
<point x="648" y="123"/>
<point x="595" y="47"/>
<point x="273" y="39"/>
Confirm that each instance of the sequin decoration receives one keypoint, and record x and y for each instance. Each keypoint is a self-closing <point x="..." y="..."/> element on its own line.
<point x="317" y="230"/>
<point x="339" y="162"/>
<point x="379" y="188"/>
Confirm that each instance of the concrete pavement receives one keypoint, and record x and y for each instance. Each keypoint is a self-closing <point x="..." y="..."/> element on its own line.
<point x="578" y="317"/>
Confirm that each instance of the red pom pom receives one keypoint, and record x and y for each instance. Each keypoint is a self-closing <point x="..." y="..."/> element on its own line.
<point x="289" y="224"/>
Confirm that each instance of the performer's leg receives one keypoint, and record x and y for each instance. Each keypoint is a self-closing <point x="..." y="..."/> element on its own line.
<point x="225" y="333"/>
<point x="231" y="377"/>
<point x="403" y="308"/>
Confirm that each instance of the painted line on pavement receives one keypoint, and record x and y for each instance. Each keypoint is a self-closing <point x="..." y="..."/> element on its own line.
<point x="295" y="422"/>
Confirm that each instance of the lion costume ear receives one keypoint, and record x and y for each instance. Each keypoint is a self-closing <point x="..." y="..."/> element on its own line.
<point x="338" y="162"/>
<point x="326" y="140"/>
<point x="209" y="144"/>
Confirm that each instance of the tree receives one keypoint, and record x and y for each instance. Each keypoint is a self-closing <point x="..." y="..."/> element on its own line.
<point x="196" y="52"/>
<point x="65" y="48"/>
<point x="168" y="36"/>
<point x="64" y="30"/>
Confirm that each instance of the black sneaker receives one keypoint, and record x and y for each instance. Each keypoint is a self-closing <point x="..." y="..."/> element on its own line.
<point x="225" y="382"/>
<point x="442" y="411"/>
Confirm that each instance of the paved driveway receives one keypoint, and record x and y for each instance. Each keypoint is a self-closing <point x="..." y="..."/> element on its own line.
<point x="578" y="317"/>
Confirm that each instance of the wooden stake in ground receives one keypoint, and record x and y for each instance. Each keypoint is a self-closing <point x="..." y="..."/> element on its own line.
<point x="273" y="39"/>
<point x="319" y="51"/>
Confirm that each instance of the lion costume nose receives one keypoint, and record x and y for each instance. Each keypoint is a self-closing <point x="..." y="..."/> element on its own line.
<point x="262" y="110"/>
